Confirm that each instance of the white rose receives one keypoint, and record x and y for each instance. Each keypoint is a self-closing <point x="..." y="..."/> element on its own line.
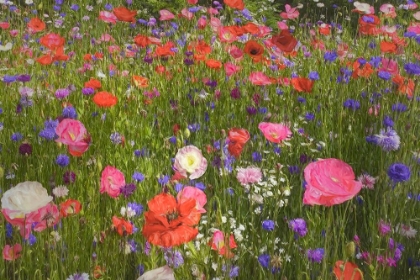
<point x="25" y="198"/>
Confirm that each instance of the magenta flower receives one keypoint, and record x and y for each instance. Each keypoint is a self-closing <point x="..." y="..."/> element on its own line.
<point x="73" y="134"/>
<point x="275" y="132"/>
<point x="112" y="180"/>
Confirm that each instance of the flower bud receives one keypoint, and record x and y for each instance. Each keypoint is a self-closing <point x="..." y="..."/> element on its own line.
<point x="350" y="249"/>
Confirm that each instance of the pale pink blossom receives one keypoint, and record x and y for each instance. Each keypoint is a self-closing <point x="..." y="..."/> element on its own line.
<point x="166" y="15"/>
<point x="259" y="79"/>
<point x="190" y="160"/>
<point x="388" y="10"/>
<point x="202" y="22"/>
<point x="249" y="175"/>
<point x="367" y="181"/>
<point x="416" y="15"/>
<point x="364" y="8"/>
<point x="112" y="180"/>
<point x="107" y="17"/>
<point x="73" y="134"/>
<point x="282" y="25"/>
<point x="407" y="231"/>
<point x="192" y="192"/>
<point x="187" y="14"/>
<point x="215" y="24"/>
<point x="161" y="273"/>
<point x="290" y="13"/>
<point x="231" y="68"/>
<point x="389" y="65"/>
<point x="11" y="253"/>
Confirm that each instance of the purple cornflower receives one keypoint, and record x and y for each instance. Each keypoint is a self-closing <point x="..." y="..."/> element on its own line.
<point x="251" y="110"/>
<point x="235" y="93"/>
<point x="268" y="225"/>
<point x="62" y="160"/>
<point x="163" y="180"/>
<point x="24" y="78"/>
<point x="256" y="157"/>
<point x="79" y="276"/>
<point x="313" y="76"/>
<point x="264" y="260"/>
<point x="299" y="226"/>
<point x="309" y="116"/>
<point x="399" y="172"/>
<point x="384" y="75"/>
<point x="88" y="91"/>
<point x="62" y="93"/>
<point x="330" y="56"/>
<point x="174" y="258"/>
<point x="16" y="137"/>
<point x="399" y="107"/>
<point x="315" y="255"/>
<point x="388" y="140"/>
<point x="388" y="122"/>
<point x="384" y="228"/>
<point x="116" y="138"/>
<point x="137" y="208"/>
<point x="128" y="189"/>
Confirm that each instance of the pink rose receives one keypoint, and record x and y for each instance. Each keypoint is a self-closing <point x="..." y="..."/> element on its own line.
<point x="107" y="17"/>
<point x="329" y="182"/>
<point x="112" y="180"/>
<point x="192" y="192"/>
<point x="11" y="253"/>
<point x="249" y="175"/>
<point x="275" y="132"/>
<point x="73" y="134"/>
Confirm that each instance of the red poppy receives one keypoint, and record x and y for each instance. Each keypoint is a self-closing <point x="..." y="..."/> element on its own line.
<point x="405" y="86"/>
<point x="234" y="29"/>
<point x="213" y="64"/>
<point x="347" y="271"/>
<point x="70" y="207"/>
<point x="170" y="223"/>
<point x="368" y="25"/>
<point x="93" y="83"/>
<point x="388" y="47"/>
<point x="140" y="82"/>
<point x="362" y="71"/>
<point x="142" y="41"/>
<point x="124" y="14"/>
<point x="201" y="47"/>
<point x="36" y="25"/>
<point x="251" y="28"/>
<point x="122" y="226"/>
<point x="165" y="50"/>
<point x="105" y="99"/>
<point x="235" y="4"/>
<point x="52" y="41"/>
<point x="302" y="84"/>
<point x="237" y="139"/>
<point x="284" y="41"/>
<point x="254" y="50"/>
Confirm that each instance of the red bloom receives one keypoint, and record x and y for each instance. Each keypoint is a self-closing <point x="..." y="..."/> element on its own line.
<point x="70" y="207"/>
<point x="122" y="226"/>
<point x="284" y="41"/>
<point x="36" y="25"/>
<point x="237" y="138"/>
<point x="235" y="4"/>
<point x="93" y="83"/>
<point x="105" y="99"/>
<point x="124" y="14"/>
<point x="302" y="84"/>
<point x="52" y="41"/>
<point x="347" y="271"/>
<point x="368" y="25"/>
<point x="169" y="223"/>
<point x="388" y="47"/>
<point x="142" y="41"/>
<point x="254" y="50"/>
<point x="213" y="64"/>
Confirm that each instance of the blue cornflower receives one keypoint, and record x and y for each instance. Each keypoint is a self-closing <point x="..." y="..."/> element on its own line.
<point x="9" y="79"/>
<point x="194" y="127"/>
<point x="388" y="140"/>
<point x="88" y="91"/>
<point x="137" y="208"/>
<point x="163" y="180"/>
<point x="384" y="75"/>
<point x="31" y="240"/>
<point x="399" y="107"/>
<point x="268" y="225"/>
<point x="352" y="104"/>
<point x="264" y="260"/>
<point x="388" y="122"/>
<point x="309" y="116"/>
<point x="330" y="56"/>
<point x="16" y="137"/>
<point x="256" y="157"/>
<point x="375" y="61"/>
<point x="116" y="138"/>
<point x="138" y="177"/>
<point x="301" y="99"/>
<point x="313" y="76"/>
<point x="9" y="230"/>
<point x="399" y="172"/>
<point x="178" y="187"/>
<point x="74" y="7"/>
<point x="69" y="112"/>
<point x="294" y="169"/>
<point x="108" y="6"/>
<point x="412" y="68"/>
<point x="200" y="185"/>
<point x="174" y="258"/>
<point x="299" y="226"/>
<point x="62" y="160"/>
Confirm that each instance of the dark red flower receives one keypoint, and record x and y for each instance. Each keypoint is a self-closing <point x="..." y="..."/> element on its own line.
<point x="284" y="41"/>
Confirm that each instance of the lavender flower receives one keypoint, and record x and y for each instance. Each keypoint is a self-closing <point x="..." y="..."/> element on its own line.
<point x="388" y="140"/>
<point x="268" y="225"/>
<point x="298" y="226"/>
<point x="315" y="255"/>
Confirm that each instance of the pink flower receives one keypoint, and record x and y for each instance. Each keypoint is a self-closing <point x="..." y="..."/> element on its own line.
<point x="4" y="25"/>
<point x="226" y="35"/>
<point x="235" y="52"/>
<point x="187" y="14"/>
<point x="195" y="193"/>
<point x="45" y="217"/>
<point x="384" y="228"/>
<point x="414" y="27"/>
<point x="231" y="69"/>
<point x="73" y="134"/>
<point x="290" y="13"/>
<point x="275" y="132"/>
<point x="259" y="79"/>
<point x="367" y="181"/>
<point x="202" y="22"/>
<point x="111" y="181"/>
<point x="416" y="15"/>
<point x="215" y="24"/>
<point x="190" y="160"/>
<point x="388" y="10"/>
<point x="389" y="65"/>
<point x="161" y="273"/>
<point x="12" y="253"/>
<point x="218" y="243"/>
<point x="282" y="25"/>
<point x="329" y="182"/>
<point x="106" y="38"/>
<point x="107" y="17"/>
<point x="166" y="15"/>
<point x="249" y="175"/>
<point x="192" y="2"/>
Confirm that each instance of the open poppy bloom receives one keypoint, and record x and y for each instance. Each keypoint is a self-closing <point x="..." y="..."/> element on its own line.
<point x="347" y="271"/>
<point x="169" y="222"/>
<point x="222" y="244"/>
<point x="36" y="25"/>
<point x="124" y="14"/>
<point x="70" y="207"/>
<point x="302" y="84"/>
<point x="254" y="50"/>
<point x="237" y="137"/>
<point x="122" y="226"/>
<point x="284" y="41"/>
<point x="105" y="99"/>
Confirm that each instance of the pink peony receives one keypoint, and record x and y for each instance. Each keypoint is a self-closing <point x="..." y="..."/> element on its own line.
<point x="190" y="160"/>
<point x="107" y="17"/>
<point x="275" y="132"/>
<point x="112" y="180"/>
<point x="166" y="15"/>
<point x="249" y="175"/>
<point x="73" y="134"/>
<point x="11" y="253"/>
<point x="329" y="182"/>
<point x="259" y="79"/>
<point x="195" y="193"/>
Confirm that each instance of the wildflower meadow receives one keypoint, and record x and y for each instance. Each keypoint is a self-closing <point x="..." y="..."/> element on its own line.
<point x="213" y="141"/>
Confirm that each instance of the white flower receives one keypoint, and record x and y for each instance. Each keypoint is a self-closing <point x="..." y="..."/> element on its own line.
<point x="190" y="160"/>
<point x="161" y="273"/>
<point x="24" y="198"/>
<point x="60" y="191"/>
